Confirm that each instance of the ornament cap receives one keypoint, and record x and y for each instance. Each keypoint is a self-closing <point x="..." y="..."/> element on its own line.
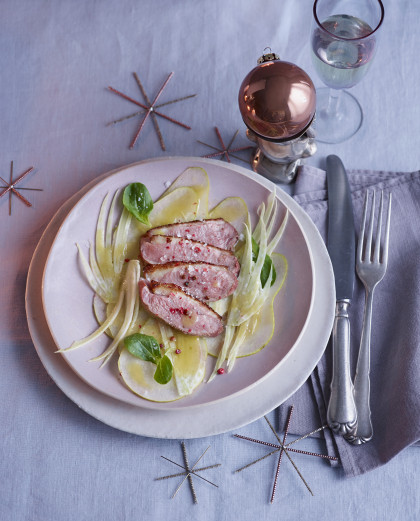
<point x="268" y="57"/>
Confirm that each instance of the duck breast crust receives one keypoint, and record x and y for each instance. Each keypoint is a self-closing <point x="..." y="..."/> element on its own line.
<point x="201" y="280"/>
<point x="160" y="249"/>
<point x="216" y="232"/>
<point x="181" y="311"/>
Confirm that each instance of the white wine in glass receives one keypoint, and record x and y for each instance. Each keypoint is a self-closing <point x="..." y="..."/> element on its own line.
<point x="343" y="42"/>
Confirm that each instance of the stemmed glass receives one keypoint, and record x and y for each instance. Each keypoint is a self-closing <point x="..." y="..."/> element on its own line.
<point x="344" y="38"/>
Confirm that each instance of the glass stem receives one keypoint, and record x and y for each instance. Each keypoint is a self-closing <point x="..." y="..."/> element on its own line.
<point x="333" y="102"/>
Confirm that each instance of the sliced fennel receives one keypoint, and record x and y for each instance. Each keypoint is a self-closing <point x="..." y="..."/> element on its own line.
<point x="129" y="289"/>
<point x="103" y="238"/>
<point x="249" y="296"/>
<point x="102" y="311"/>
<point x="129" y="296"/>
<point x="106" y="259"/>
<point x="255" y="333"/>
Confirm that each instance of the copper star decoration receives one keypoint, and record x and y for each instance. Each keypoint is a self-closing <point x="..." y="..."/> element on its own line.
<point x="11" y="189"/>
<point x="189" y="472"/>
<point x="284" y="448"/>
<point x="226" y="151"/>
<point x="150" y="109"/>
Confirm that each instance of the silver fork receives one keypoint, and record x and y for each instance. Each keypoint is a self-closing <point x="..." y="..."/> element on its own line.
<point x="371" y="264"/>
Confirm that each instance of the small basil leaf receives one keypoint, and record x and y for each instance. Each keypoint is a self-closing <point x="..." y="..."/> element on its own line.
<point x="144" y="347"/>
<point x="164" y="370"/>
<point x="267" y="266"/>
<point x="265" y="271"/>
<point x="137" y="200"/>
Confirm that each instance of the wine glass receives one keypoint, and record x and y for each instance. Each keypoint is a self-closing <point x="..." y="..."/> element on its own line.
<point x="344" y="38"/>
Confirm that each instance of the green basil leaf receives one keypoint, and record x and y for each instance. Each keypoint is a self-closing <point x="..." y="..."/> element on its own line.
<point x="137" y="200"/>
<point x="265" y="271"/>
<point x="144" y="347"/>
<point x="164" y="370"/>
<point x="267" y="266"/>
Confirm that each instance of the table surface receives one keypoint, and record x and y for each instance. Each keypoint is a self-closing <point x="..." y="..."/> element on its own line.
<point x="57" y="462"/>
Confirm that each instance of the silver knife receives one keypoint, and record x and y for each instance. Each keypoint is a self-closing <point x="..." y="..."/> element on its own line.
<point x="341" y="244"/>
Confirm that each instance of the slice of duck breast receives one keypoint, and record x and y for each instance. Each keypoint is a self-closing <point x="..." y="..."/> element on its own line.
<point x="199" y="279"/>
<point x="216" y="232"/>
<point x="160" y="249"/>
<point x="181" y="311"/>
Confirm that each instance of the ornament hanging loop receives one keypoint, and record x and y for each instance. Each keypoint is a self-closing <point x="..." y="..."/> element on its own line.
<point x="268" y="57"/>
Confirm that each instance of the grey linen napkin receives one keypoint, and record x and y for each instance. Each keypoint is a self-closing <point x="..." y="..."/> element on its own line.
<point x="395" y="345"/>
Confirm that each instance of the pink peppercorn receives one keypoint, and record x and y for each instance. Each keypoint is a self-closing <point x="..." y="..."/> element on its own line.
<point x="177" y="351"/>
<point x="220" y="371"/>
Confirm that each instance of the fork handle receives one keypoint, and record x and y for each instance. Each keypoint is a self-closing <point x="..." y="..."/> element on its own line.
<point x="342" y="412"/>
<point x="364" y="431"/>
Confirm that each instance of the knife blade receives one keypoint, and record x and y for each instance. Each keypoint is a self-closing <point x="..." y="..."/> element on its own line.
<point x="341" y="245"/>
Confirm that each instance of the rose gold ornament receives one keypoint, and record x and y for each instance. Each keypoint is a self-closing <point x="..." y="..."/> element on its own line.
<point x="277" y="102"/>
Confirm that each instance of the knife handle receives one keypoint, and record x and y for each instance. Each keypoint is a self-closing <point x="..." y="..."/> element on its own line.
<point x="341" y="414"/>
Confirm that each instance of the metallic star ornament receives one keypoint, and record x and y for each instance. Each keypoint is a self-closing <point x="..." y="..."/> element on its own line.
<point x="10" y="188"/>
<point x="284" y="448"/>
<point x="150" y="108"/>
<point x="189" y="472"/>
<point x="225" y="151"/>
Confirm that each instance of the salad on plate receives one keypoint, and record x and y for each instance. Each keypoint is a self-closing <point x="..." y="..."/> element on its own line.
<point x="179" y="285"/>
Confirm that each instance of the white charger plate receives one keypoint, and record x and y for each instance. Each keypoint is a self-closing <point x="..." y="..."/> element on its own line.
<point x="221" y="412"/>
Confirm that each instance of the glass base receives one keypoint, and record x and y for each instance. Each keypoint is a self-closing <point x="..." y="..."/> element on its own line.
<point x="338" y="116"/>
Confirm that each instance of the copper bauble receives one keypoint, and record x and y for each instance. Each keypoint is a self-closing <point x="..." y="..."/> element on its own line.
<point x="277" y="100"/>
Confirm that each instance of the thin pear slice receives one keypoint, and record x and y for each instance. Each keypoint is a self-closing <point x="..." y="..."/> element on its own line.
<point x="189" y="368"/>
<point x="190" y="363"/>
<point x="138" y="377"/>
<point x="196" y="178"/>
<point x="179" y="205"/>
<point x="232" y="209"/>
<point x="257" y="332"/>
<point x="221" y="306"/>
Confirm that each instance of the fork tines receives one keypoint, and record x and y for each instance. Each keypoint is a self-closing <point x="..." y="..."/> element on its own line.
<point x="365" y="253"/>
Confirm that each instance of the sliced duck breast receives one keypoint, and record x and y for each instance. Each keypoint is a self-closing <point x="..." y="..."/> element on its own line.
<point x="181" y="311"/>
<point x="160" y="249"/>
<point x="199" y="279"/>
<point x="216" y="232"/>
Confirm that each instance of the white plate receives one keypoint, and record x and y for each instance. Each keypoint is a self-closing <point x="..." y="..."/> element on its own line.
<point x="67" y="297"/>
<point x="219" y="416"/>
